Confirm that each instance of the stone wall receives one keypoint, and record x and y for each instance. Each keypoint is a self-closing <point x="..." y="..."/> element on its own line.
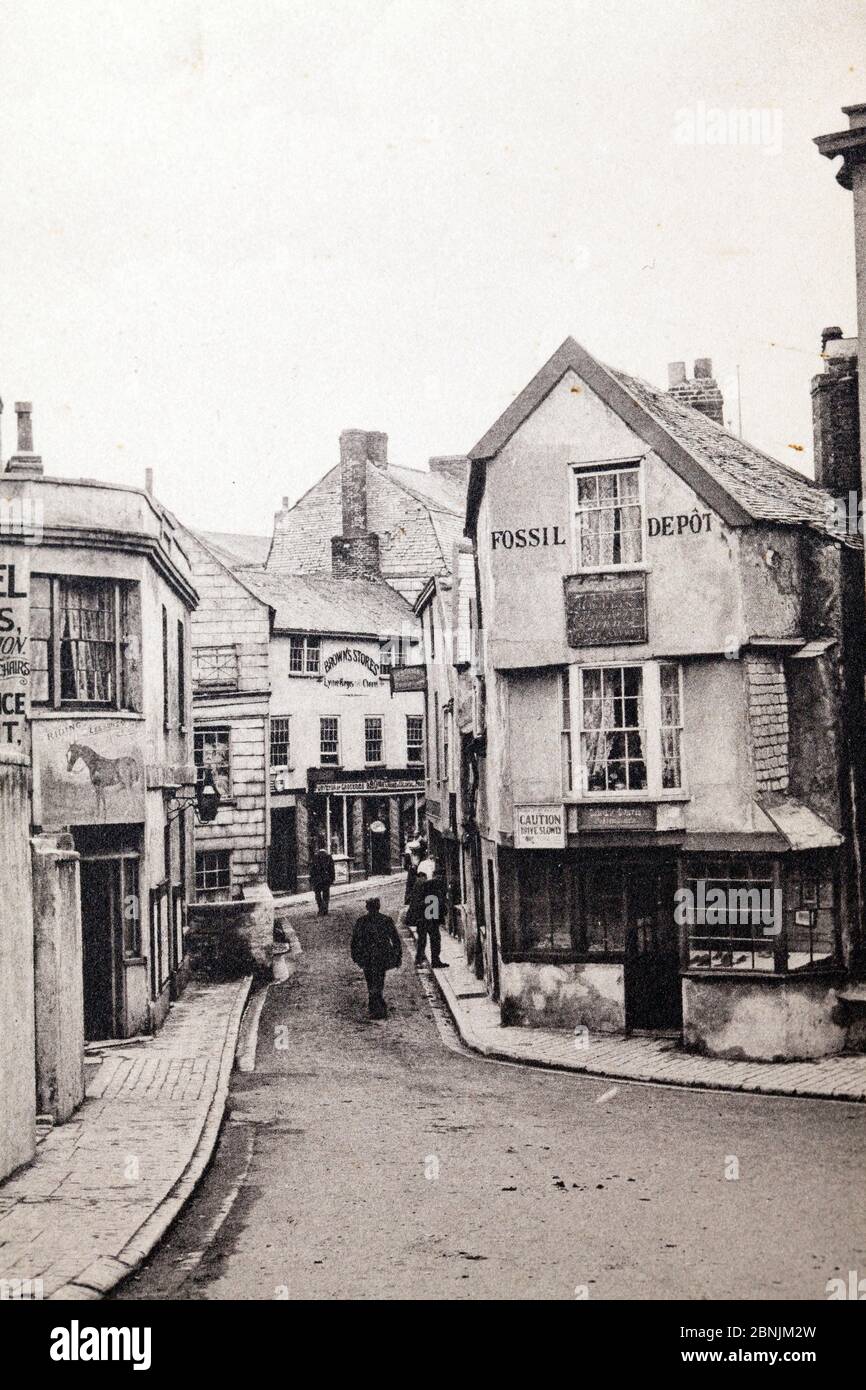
<point x="17" y="1071"/>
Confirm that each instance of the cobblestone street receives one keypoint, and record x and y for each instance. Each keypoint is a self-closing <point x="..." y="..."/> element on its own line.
<point x="383" y="1160"/>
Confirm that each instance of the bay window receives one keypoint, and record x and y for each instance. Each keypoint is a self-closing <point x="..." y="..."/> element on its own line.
<point x="631" y="730"/>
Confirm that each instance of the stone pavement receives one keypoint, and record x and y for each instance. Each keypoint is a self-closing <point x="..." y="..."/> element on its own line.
<point x="634" y="1058"/>
<point x="104" y="1187"/>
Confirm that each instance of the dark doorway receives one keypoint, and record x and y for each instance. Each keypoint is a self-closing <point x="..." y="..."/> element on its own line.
<point x="102" y="943"/>
<point x="494" y="942"/>
<point x="377" y="836"/>
<point x="653" y="995"/>
<point x="283" y="854"/>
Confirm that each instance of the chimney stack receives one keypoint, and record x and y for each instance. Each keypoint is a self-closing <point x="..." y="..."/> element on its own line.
<point x="355" y="553"/>
<point x="835" y="415"/>
<point x="701" y="393"/>
<point x="25" y="463"/>
<point x="148" y="480"/>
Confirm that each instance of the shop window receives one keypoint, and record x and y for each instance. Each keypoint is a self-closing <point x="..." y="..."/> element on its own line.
<point x="305" y="656"/>
<point x="602" y="909"/>
<point x="280" y="747"/>
<point x="215" y="668"/>
<point x="810" y="912"/>
<point x="612" y="731"/>
<point x="329" y="741"/>
<point x="213" y="874"/>
<point x="608" y="517"/>
<point x="373" y="740"/>
<point x="414" y="739"/>
<point x="730" y="909"/>
<point x="211" y="750"/>
<point x="85" y="642"/>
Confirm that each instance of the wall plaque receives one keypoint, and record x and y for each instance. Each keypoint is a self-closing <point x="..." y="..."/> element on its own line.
<point x="605" y="609"/>
<point x="539" y="827"/>
<point x="617" y="817"/>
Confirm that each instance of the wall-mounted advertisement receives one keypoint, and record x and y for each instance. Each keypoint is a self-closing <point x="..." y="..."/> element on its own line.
<point x="88" y="772"/>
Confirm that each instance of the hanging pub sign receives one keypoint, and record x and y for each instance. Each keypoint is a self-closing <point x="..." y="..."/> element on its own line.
<point x="14" y="649"/>
<point x="350" y="671"/>
<point x="605" y="609"/>
<point x="539" y="827"/>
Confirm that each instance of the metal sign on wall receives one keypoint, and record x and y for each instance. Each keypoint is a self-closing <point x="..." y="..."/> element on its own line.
<point x="605" y="609"/>
<point x="539" y="827"/>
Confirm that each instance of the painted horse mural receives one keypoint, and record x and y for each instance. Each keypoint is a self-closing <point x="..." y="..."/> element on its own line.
<point x="104" y="772"/>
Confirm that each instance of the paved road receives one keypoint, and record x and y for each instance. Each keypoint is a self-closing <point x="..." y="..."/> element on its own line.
<point x="373" y="1160"/>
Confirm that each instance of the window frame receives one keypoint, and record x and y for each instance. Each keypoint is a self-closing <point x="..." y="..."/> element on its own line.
<point x="338" y="758"/>
<point x="652" y="726"/>
<point x="280" y="719"/>
<point x="381" y="760"/>
<point x="201" y="731"/>
<point x="218" y="892"/>
<point x="206" y="687"/>
<point x="418" y="744"/>
<point x="121" y="676"/>
<point x="599" y="468"/>
<point x="308" y="645"/>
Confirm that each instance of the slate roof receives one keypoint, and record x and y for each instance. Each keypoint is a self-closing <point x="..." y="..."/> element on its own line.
<point x="416" y="514"/>
<point x="322" y="604"/>
<point x="238" y="549"/>
<point x="740" y="482"/>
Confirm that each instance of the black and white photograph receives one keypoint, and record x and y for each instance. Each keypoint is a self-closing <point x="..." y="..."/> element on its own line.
<point x="432" y="671"/>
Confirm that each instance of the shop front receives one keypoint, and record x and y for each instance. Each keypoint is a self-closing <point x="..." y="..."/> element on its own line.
<point x="364" y="820"/>
<point x="736" y="951"/>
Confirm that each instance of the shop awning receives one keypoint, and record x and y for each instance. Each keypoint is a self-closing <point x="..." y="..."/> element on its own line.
<point x="801" y="827"/>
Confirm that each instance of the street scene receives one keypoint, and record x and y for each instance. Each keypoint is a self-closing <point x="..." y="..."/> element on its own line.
<point x="433" y="663"/>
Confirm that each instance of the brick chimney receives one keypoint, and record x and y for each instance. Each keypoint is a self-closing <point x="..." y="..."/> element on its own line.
<point x="355" y="553"/>
<point x="835" y="415"/>
<point x="701" y="393"/>
<point x="25" y="463"/>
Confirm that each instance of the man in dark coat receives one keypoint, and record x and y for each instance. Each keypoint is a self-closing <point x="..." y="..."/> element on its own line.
<point x="427" y="909"/>
<point x="376" y="948"/>
<point x="321" y="878"/>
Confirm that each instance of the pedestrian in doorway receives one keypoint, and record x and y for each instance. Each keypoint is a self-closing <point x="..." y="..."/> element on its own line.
<point x="416" y="850"/>
<point x="321" y="877"/>
<point x="376" y="949"/>
<point x="426" y="914"/>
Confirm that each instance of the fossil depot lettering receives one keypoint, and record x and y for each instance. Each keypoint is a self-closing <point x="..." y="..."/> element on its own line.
<point x="526" y="538"/>
<point x="694" y="522"/>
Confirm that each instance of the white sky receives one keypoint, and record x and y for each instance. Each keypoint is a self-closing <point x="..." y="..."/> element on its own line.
<point x="230" y="230"/>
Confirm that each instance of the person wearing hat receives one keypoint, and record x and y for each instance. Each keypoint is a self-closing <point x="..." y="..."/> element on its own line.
<point x="376" y="949"/>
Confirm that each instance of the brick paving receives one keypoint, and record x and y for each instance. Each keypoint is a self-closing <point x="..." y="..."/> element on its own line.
<point x="104" y="1187"/>
<point x="635" y="1058"/>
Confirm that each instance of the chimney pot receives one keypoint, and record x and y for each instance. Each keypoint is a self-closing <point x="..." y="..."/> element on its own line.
<point x="676" y="373"/>
<point x="829" y="335"/>
<point x="148" y="480"/>
<point x="23" y="409"/>
<point x="285" y="504"/>
<point x="703" y="368"/>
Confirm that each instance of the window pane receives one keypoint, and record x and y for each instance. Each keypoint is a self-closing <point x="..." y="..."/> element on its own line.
<point x="86" y="631"/>
<point x="211" y="752"/>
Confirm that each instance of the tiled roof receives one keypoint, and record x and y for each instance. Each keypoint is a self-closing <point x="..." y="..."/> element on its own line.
<point x="413" y="512"/>
<point x="238" y="549"/>
<point x="767" y="489"/>
<point x="321" y="603"/>
<point x="740" y="482"/>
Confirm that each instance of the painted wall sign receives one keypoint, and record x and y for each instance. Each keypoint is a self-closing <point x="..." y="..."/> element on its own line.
<point x="350" y="671"/>
<point x="617" y="817"/>
<point x="526" y="538"/>
<point x="693" y="523"/>
<point x="539" y="827"/>
<point x="90" y="772"/>
<point x="14" y="649"/>
<point x="604" y="609"/>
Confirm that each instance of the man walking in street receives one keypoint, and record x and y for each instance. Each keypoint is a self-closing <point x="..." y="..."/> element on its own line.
<point x="321" y="877"/>
<point x="427" y="909"/>
<point x="376" y="949"/>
